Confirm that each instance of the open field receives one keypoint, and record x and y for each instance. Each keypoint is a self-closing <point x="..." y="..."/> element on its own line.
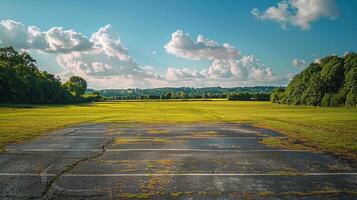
<point x="328" y="129"/>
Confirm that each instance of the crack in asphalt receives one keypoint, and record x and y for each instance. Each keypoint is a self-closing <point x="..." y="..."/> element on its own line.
<point x="49" y="185"/>
<point x="71" y="132"/>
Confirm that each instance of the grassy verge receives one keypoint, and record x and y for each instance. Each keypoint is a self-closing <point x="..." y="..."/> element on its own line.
<point x="329" y="129"/>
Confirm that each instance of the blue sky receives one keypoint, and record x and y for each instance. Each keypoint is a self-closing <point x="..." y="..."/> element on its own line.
<point x="268" y="41"/>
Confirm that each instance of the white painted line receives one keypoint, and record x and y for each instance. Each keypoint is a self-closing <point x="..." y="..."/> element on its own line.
<point x="126" y="150"/>
<point x="183" y="174"/>
<point x="54" y="150"/>
<point x="166" y="137"/>
<point x="210" y="150"/>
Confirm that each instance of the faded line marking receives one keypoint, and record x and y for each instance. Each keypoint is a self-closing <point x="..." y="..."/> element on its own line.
<point x="176" y="174"/>
<point x="126" y="150"/>
<point x="54" y="150"/>
<point x="168" y="137"/>
<point x="210" y="150"/>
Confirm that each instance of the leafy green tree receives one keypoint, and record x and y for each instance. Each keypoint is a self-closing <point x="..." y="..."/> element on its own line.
<point x="182" y="95"/>
<point x="76" y="86"/>
<point x="276" y="95"/>
<point x="332" y="82"/>
<point x="332" y="73"/>
<point x="22" y="82"/>
<point x="351" y="99"/>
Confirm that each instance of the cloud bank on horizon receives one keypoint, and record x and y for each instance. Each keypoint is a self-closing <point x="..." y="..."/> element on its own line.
<point x="104" y="61"/>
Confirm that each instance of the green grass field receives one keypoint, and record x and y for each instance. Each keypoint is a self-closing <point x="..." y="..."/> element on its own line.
<point x="329" y="129"/>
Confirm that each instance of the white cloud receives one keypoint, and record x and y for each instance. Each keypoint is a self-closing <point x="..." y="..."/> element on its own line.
<point x="291" y="76"/>
<point x="182" y="45"/>
<point x="246" y="71"/>
<point x="299" y="13"/>
<point x="148" y="68"/>
<point x="226" y="69"/>
<point x="108" y="41"/>
<point x="55" y="40"/>
<point x="174" y="74"/>
<point x="108" y="62"/>
<point x="13" y="33"/>
<point x="105" y="62"/>
<point x="106" y="57"/>
<point x="154" y="52"/>
<point x="298" y="62"/>
<point x="279" y="13"/>
<point x="317" y="60"/>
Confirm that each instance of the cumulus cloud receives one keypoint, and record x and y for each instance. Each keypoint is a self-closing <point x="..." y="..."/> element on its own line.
<point x="105" y="62"/>
<point x="108" y="62"/>
<point x="108" y="41"/>
<point x="300" y="13"/>
<point x="182" y="45"/>
<point x="108" y="56"/>
<point x="298" y="62"/>
<point x="246" y="71"/>
<point x="226" y="68"/>
<point x="55" y="40"/>
<point x="102" y="60"/>
<point x="175" y="74"/>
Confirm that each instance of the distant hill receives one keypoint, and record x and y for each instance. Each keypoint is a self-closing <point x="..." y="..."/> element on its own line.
<point x="330" y="82"/>
<point x="235" y="93"/>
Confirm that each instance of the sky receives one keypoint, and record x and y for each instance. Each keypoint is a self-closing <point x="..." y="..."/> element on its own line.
<point x="195" y="43"/>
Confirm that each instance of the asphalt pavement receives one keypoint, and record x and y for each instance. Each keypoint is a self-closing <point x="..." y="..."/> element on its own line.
<point x="170" y="161"/>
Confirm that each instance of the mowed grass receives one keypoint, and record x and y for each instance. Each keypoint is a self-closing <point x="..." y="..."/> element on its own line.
<point x="329" y="129"/>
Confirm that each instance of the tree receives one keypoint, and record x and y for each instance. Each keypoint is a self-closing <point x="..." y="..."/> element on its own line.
<point x="332" y="82"/>
<point x="76" y="86"/>
<point x="182" y="95"/>
<point x="332" y="73"/>
<point x="22" y="82"/>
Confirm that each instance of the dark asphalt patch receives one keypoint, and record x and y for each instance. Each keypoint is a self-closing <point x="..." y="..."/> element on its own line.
<point x="202" y="187"/>
<point x="213" y="162"/>
<point x="169" y="161"/>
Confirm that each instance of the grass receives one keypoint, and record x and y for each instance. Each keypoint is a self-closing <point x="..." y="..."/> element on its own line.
<point x="328" y="129"/>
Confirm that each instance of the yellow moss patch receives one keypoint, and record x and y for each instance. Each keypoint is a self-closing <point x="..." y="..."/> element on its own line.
<point x="178" y="194"/>
<point x="338" y="167"/>
<point x="285" y="143"/>
<point x="137" y="196"/>
<point x="145" y="140"/>
<point x="265" y="193"/>
<point x="166" y="162"/>
<point x="326" y="191"/>
<point x="158" y="131"/>
<point x="124" y="165"/>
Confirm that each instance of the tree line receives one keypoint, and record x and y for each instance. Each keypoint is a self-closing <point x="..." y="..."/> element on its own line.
<point x="331" y="82"/>
<point x="234" y="93"/>
<point x="22" y="82"/>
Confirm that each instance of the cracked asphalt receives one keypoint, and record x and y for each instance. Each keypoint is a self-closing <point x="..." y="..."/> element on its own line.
<point x="170" y="161"/>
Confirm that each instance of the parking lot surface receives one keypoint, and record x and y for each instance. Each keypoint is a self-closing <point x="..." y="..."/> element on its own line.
<point x="170" y="161"/>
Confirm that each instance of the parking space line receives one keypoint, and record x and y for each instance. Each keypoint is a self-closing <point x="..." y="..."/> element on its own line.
<point x="210" y="150"/>
<point x="153" y="137"/>
<point x="54" y="150"/>
<point x="183" y="174"/>
<point x="191" y="150"/>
